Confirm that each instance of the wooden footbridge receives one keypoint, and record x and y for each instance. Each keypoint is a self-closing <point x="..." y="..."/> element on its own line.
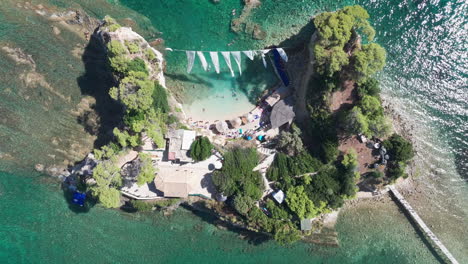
<point x="436" y="242"/>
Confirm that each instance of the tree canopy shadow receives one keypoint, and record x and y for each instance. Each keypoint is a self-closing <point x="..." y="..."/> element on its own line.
<point x="254" y="76"/>
<point x="252" y="237"/>
<point x="96" y="82"/>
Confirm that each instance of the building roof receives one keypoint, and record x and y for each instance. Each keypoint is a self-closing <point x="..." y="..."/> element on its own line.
<point x="279" y="196"/>
<point x="173" y="182"/>
<point x="179" y="143"/>
<point x="273" y="99"/>
<point x="282" y="113"/>
<point x="188" y="138"/>
<point x="306" y="224"/>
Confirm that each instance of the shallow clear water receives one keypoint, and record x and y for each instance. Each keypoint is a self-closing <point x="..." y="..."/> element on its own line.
<point x="425" y="78"/>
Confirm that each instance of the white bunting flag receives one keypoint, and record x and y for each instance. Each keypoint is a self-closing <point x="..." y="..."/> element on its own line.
<point x="249" y="53"/>
<point x="190" y="60"/>
<point x="215" y="60"/>
<point x="283" y="54"/>
<point x="237" y="58"/>
<point x="202" y="60"/>
<point x="227" y="58"/>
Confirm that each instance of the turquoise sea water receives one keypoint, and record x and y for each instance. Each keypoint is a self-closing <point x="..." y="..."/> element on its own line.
<point x="426" y="78"/>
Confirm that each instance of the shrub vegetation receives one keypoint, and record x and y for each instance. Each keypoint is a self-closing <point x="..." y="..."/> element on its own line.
<point x="201" y="149"/>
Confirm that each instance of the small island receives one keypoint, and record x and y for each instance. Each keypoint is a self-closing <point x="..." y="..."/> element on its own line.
<point x="310" y="144"/>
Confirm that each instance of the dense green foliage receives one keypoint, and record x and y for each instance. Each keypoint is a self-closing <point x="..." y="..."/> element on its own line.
<point x="107" y="177"/>
<point x="160" y="98"/>
<point x="369" y="87"/>
<point x="115" y="48"/>
<point x="125" y="139"/>
<point x="145" y="112"/>
<point x="368" y="116"/>
<point x="150" y="54"/>
<point x="107" y="152"/>
<point x="236" y="178"/>
<point x="400" y="151"/>
<point x="284" y="169"/>
<point x="337" y="34"/>
<point x="111" y="24"/>
<point x="142" y="206"/>
<point x="132" y="47"/>
<point x="299" y="203"/>
<point x="243" y="204"/>
<point x="147" y="170"/>
<point x="291" y="142"/>
<point x="368" y="60"/>
<point x="201" y="149"/>
<point x="137" y="65"/>
<point x="134" y="91"/>
<point x="145" y="100"/>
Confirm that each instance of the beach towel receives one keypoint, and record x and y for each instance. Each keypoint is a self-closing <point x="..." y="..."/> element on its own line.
<point x="190" y="60"/>
<point x="202" y="60"/>
<point x="237" y="58"/>
<point x="227" y="58"/>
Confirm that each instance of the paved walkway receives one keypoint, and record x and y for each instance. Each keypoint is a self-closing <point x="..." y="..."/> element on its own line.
<point x="262" y="168"/>
<point x="438" y="244"/>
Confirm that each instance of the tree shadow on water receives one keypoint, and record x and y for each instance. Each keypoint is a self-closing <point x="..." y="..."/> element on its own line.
<point x="255" y="77"/>
<point x="96" y="82"/>
<point x="251" y="237"/>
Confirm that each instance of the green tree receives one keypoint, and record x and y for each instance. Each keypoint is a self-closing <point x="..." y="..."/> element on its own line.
<point x="116" y="48"/>
<point x="355" y="122"/>
<point x="125" y="139"/>
<point x="107" y="151"/>
<point x="107" y="177"/>
<point x="243" y="204"/>
<point x="350" y="159"/>
<point x="291" y="142"/>
<point x="137" y="65"/>
<point x="108" y="197"/>
<point x="134" y="91"/>
<point x="380" y="126"/>
<point x="299" y="203"/>
<point x="369" y="86"/>
<point x="277" y="212"/>
<point x="399" y="149"/>
<point x="160" y="98"/>
<point x="132" y="47"/>
<point x="371" y="106"/>
<point x="369" y="60"/>
<point x="201" y="149"/>
<point x="111" y="24"/>
<point x="147" y="170"/>
<point x="286" y="233"/>
<point x="150" y="54"/>
<point x="119" y="64"/>
<point x="236" y="176"/>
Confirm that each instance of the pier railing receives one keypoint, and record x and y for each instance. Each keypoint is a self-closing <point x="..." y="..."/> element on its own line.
<point x="422" y="225"/>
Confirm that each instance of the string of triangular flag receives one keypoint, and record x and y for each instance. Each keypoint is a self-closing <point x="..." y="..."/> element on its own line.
<point x="191" y="55"/>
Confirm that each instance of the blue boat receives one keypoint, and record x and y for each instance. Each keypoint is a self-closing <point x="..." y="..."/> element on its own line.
<point x="79" y="198"/>
<point x="280" y="68"/>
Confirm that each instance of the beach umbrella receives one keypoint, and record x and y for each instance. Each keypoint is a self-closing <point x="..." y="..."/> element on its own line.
<point x="218" y="165"/>
<point x="222" y="126"/>
<point x="250" y="117"/>
<point x="236" y="122"/>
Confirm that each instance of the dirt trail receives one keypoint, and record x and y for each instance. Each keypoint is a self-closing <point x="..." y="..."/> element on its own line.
<point x="301" y="81"/>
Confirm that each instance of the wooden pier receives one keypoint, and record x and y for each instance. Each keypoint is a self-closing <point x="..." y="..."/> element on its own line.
<point x="422" y="225"/>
